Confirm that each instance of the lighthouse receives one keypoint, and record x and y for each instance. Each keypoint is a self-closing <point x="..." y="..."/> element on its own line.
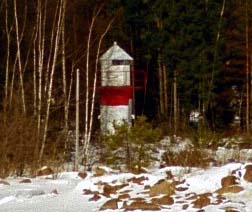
<point x="116" y="91"/>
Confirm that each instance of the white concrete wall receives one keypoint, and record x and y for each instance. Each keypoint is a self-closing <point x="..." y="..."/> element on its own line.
<point x="113" y="114"/>
<point x="115" y="75"/>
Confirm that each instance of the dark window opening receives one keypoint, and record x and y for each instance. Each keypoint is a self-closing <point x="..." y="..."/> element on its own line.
<point x="120" y="62"/>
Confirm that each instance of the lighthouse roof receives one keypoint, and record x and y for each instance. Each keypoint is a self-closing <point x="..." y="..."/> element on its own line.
<point x="115" y="52"/>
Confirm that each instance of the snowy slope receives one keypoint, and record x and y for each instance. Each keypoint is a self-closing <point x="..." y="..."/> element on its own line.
<point x="65" y="194"/>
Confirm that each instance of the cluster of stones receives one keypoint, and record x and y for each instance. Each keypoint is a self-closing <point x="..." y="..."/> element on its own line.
<point x="44" y="171"/>
<point x="164" y="193"/>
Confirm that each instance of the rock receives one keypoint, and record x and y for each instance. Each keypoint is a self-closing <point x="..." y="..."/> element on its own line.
<point x="108" y="189"/>
<point x="228" y="181"/>
<point x="185" y="206"/>
<point x="110" y="204"/>
<point x="137" y="170"/>
<point x="165" y="200"/>
<point x="3" y="182"/>
<point x="95" y="198"/>
<point x="100" y="172"/>
<point x="191" y="196"/>
<point x="179" y="182"/>
<point x="125" y="191"/>
<point x="138" y="199"/>
<point x="45" y="171"/>
<point x="82" y="175"/>
<point x="89" y="192"/>
<point x="162" y="187"/>
<point x="124" y="196"/>
<point x="54" y="191"/>
<point x="230" y="189"/>
<point x="138" y="180"/>
<point x="230" y="209"/>
<point x="201" y="201"/>
<point x="248" y="174"/>
<point x="25" y="181"/>
<point x="147" y="187"/>
<point x="169" y="175"/>
<point x="181" y="188"/>
<point x="142" y="206"/>
<point x="217" y="202"/>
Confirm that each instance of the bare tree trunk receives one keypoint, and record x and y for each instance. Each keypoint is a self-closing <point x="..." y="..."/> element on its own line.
<point x="16" y="59"/>
<point x="34" y="77"/>
<point x="64" y="76"/>
<point x="1" y="6"/>
<point x="165" y="88"/>
<point x="8" y="31"/>
<point x="41" y="43"/>
<point x="68" y="103"/>
<point x="50" y="52"/>
<point x="95" y="86"/>
<point x="19" y="57"/>
<point x="215" y="49"/>
<point x="161" y="86"/>
<point x="6" y="87"/>
<point x="175" y="104"/>
<point x="12" y="82"/>
<point x="49" y="95"/>
<point x="86" y="124"/>
<point x="247" y="70"/>
<point x="77" y="122"/>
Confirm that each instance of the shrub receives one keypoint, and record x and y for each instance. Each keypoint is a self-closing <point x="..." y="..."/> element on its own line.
<point x="192" y="157"/>
<point x="131" y="146"/>
<point x="203" y="137"/>
<point x="17" y="144"/>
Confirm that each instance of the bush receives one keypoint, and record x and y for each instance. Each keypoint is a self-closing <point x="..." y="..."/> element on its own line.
<point x="17" y="144"/>
<point x="192" y="157"/>
<point x="203" y="137"/>
<point x="131" y="146"/>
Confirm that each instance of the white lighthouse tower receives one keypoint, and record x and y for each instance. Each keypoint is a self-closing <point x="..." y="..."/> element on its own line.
<point x="116" y="90"/>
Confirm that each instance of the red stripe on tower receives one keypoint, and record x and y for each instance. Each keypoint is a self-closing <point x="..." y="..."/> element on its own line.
<point x="115" y="96"/>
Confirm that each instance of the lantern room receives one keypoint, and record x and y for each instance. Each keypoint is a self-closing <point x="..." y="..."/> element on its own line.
<point x="116" y="92"/>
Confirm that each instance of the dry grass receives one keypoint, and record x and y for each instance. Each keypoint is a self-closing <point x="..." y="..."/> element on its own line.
<point x="186" y="158"/>
<point x="19" y="145"/>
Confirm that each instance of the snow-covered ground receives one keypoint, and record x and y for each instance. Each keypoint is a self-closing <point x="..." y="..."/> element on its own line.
<point x="70" y="193"/>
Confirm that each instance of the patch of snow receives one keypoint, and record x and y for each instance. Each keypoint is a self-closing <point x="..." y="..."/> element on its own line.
<point x="7" y="199"/>
<point x="29" y="193"/>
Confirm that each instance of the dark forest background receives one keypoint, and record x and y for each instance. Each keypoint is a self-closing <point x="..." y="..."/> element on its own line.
<point x="196" y="55"/>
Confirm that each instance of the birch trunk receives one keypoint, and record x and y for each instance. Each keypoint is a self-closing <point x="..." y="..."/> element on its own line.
<point x="19" y="57"/>
<point x="165" y="88"/>
<point x="34" y="77"/>
<point x="64" y="75"/>
<point x="16" y="59"/>
<point x="8" y="31"/>
<point x="216" y="47"/>
<point x="86" y="124"/>
<point x="161" y="85"/>
<point x="175" y="105"/>
<point x="41" y="43"/>
<point x="6" y="86"/>
<point x="247" y="69"/>
<point x="94" y="87"/>
<point x="52" y="40"/>
<point x="85" y="150"/>
<point x="77" y="122"/>
<point x="49" y="95"/>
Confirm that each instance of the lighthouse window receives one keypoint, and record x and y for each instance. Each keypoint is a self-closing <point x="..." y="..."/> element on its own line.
<point x="120" y="62"/>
